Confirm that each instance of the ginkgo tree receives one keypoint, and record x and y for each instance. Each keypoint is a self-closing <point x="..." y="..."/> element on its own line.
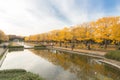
<point x="102" y="31"/>
<point x="3" y="36"/>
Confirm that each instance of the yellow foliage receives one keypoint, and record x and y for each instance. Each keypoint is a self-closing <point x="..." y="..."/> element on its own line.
<point x="106" y="28"/>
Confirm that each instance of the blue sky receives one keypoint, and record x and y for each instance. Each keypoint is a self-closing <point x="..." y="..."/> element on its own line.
<point x="26" y="17"/>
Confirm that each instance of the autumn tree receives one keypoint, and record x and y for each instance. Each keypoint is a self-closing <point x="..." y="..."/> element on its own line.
<point x="103" y="31"/>
<point x="3" y="36"/>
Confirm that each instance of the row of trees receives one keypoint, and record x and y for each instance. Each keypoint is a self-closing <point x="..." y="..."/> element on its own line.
<point x="3" y="36"/>
<point x="104" y="31"/>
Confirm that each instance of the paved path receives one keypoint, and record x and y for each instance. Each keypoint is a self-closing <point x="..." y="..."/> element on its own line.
<point x="100" y="53"/>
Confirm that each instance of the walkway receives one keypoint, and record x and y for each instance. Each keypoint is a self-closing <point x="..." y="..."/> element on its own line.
<point x="99" y="53"/>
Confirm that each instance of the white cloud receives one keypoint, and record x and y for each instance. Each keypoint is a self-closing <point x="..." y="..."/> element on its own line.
<point x="25" y="17"/>
<point x="79" y="12"/>
<point x="16" y="18"/>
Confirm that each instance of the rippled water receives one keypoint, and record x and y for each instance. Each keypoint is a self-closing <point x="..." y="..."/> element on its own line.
<point x="56" y="65"/>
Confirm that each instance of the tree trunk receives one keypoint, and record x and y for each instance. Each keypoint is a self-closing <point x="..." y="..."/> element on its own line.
<point x="60" y="43"/>
<point x="89" y="45"/>
<point x="105" y="44"/>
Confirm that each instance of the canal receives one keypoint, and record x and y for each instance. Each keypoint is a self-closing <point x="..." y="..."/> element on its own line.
<point x="58" y="65"/>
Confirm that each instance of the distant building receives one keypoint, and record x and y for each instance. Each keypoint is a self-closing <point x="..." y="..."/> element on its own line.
<point x="15" y="38"/>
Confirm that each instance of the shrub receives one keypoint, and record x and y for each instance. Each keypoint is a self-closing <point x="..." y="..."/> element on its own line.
<point x="12" y="71"/>
<point x="28" y="76"/>
<point x="40" y="47"/>
<point x="18" y="74"/>
<point x="15" y="46"/>
<point x="113" y="55"/>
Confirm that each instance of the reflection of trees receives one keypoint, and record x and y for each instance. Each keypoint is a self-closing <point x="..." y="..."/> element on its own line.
<point x="112" y="71"/>
<point x="84" y="67"/>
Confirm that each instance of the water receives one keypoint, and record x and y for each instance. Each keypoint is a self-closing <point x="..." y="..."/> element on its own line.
<point x="56" y="65"/>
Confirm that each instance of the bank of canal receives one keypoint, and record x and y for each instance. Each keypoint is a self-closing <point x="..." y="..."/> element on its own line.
<point x="60" y="65"/>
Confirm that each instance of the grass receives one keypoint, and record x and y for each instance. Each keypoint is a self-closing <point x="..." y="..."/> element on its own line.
<point x="40" y="47"/>
<point x="115" y="55"/>
<point x="15" y="46"/>
<point x="1" y="56"/>
<point x="18" y="74"/>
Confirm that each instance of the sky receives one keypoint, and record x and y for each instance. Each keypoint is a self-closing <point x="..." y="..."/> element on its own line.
<point x="27" y="17"/>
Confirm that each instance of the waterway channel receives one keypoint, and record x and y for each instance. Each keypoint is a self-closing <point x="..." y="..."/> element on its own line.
<point x="58" y="65"/>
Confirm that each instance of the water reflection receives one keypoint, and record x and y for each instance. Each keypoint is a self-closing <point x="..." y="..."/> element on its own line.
<point x="15" y="49"/>
<point x="58" y="65"/>
<point x="85" y="68"/>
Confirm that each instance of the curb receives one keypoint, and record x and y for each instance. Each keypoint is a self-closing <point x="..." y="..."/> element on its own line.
<point x="3" y="57"/>
<point x="78" y="52"/>
<point x="110" y="63"/>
